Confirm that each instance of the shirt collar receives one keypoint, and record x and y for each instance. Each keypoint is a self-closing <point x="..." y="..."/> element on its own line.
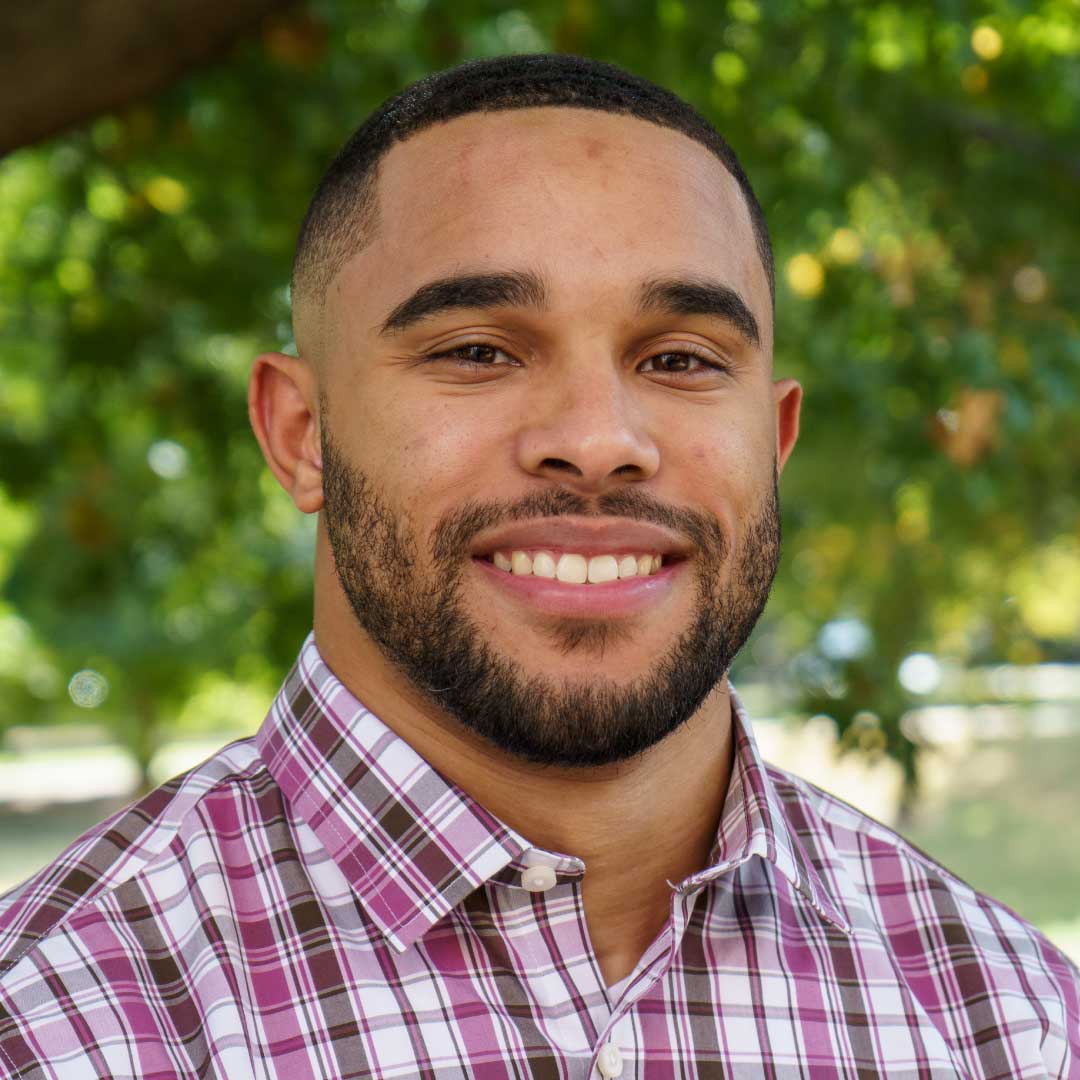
<point x="758" y="820"/>
<point x="412" y="845"/>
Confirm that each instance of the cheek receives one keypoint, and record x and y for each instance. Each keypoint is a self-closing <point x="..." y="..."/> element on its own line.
<point x="724" y="471"/>
<point x="733" y="445"/>
<point x="431" y="454"/>
<point x="722" y="463"/>
<point x="448" y="439"/>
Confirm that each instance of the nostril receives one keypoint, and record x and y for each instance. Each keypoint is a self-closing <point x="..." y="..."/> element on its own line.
<point x="559" y="465"/>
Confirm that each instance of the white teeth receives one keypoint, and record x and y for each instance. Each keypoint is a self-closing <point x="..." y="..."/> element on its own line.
<point x="577" y="569"/>
<point x="543" y="564"/>
<point x="572" y="568"/>
<point x="603" y="568"/>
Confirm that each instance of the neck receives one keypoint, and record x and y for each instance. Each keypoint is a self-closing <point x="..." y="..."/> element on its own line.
<point x="636" y="825"/>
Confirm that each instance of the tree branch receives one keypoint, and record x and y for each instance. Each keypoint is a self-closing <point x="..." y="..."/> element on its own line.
<point x="64" y="61"/>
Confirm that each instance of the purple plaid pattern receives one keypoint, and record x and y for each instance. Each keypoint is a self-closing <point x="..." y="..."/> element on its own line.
<point x="317" y="903"/>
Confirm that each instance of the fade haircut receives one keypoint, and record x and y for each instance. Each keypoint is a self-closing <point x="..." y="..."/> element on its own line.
<point x="344" y="208"/>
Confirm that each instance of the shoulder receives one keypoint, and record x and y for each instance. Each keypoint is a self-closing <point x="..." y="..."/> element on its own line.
<point x="157" y="835"/>
<point x="900" y="882"/>
<point x="944" y="936"/>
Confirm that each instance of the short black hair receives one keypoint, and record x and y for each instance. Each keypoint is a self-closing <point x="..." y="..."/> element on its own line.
<point x="344" y="205"/>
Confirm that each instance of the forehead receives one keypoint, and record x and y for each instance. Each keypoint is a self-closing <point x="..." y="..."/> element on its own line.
<point x="591" y="200"/>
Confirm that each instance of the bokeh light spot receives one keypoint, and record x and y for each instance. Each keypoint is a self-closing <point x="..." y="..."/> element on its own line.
<point x="74" y="275"/>
<point x="166" y="195"/>
<point x="887" y="54"/>
<point x="744" y="10"/>
<point x="986" y="42"/>
<point x="805" y="275"/>
<point x="728" y="68"/>
<point x="845" y="639"/>
<point x="168" y="459"/>
<point x="845" y="247"/>
<point x="1030" y="284"/>
<point x="919" y="673"/>
<point x="106" y="201"/>
<point x="88" y="688"/>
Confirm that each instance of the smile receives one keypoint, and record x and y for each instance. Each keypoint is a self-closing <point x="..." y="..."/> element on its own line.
<point x="577" y="595"/>
<point x="574" y="569"/>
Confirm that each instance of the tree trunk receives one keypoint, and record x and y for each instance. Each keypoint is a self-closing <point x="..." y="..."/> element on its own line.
<point x="64" y="61"/>
<point x="144" y="739"/>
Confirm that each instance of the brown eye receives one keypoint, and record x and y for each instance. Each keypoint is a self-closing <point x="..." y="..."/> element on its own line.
<point x="477" y="355"/>
<point x="681" y="363"/>
<point x="671" y="361"/>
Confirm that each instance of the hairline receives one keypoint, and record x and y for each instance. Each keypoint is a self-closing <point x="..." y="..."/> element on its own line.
<point x="311" y="278"/>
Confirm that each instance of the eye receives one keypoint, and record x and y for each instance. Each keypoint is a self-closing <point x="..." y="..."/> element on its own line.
<point x="473" y="355"/>
<point x="683" y="363"/>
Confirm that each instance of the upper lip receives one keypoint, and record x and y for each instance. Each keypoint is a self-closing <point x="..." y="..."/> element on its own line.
<point x="583" y="537"/>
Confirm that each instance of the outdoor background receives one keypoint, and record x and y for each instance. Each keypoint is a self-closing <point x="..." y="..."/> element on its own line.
<point x="919" y="164"/>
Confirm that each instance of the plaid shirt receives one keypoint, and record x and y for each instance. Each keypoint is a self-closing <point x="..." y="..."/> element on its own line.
<point x="317" y="902"/>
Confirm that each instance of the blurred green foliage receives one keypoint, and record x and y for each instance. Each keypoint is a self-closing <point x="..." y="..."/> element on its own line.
<point x="919" y="165"/>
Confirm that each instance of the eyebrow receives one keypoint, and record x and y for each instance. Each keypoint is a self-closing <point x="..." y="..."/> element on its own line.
<point x="523" y="288"/>
<point x="700" y="296"/>
<point x="508" y="289"/>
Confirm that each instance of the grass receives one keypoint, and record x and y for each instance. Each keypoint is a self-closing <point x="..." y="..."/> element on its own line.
<point x="1005" y="817"/>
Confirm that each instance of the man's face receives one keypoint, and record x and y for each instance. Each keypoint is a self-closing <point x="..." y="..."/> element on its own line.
<point x="586" y="387"/>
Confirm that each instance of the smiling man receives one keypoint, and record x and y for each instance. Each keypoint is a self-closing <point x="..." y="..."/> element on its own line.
<point x="506" y="817"/>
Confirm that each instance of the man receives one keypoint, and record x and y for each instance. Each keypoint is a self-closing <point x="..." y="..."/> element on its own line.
<point x="506" y="817"/>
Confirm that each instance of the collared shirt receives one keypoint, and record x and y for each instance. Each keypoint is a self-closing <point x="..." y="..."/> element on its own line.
<point x="318" y="903"/>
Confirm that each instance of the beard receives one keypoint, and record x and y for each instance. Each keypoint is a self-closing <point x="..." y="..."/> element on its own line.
<point x="419" y="622"/>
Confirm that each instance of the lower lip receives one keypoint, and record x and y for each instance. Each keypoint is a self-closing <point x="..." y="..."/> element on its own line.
<point x="625" y="596"/>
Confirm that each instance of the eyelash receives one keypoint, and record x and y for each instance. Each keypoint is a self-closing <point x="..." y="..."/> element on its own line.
<point x="476" y="365"/>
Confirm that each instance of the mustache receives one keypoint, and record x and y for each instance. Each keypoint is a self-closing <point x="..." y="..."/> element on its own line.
<point x="455" y="531"/>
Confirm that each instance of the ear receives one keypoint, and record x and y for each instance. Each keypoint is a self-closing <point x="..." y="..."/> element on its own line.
<point x="282" y="406"/>
<point x="787" y="397"/>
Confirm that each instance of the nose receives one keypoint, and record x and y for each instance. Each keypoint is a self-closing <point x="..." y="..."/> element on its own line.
<point x="586" y="430"/>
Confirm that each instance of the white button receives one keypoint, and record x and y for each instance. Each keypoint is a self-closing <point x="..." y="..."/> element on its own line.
<point x="538" y="878"/>
<point x="609" y="1061"/>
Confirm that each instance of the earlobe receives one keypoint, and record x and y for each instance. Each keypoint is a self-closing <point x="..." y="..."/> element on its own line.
<point x="787" y="394"/>
<point x="282" y="397"/>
